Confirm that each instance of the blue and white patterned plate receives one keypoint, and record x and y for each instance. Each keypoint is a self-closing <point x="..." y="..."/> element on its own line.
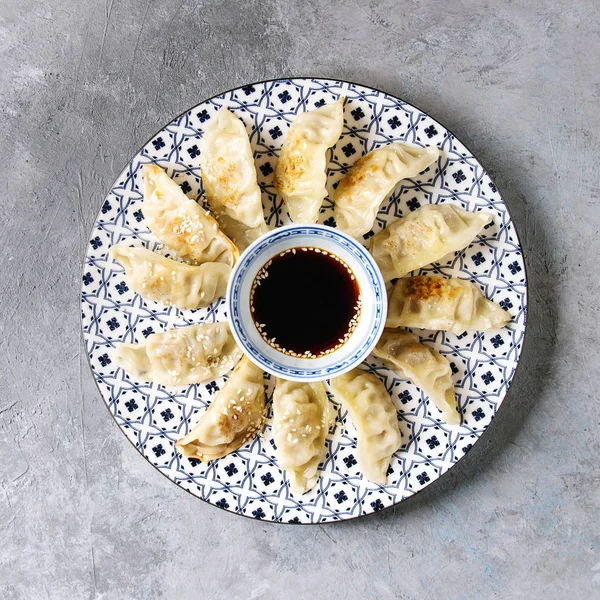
<point x="249" y="481"/>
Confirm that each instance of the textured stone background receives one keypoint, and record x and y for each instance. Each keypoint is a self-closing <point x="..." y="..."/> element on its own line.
<point x="82" y="85"/>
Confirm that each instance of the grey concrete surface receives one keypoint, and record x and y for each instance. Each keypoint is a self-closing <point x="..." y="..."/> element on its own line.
<point x="82" y="85"/>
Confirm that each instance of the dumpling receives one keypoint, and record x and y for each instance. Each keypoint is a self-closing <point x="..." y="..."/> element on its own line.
<point x="181" y="223"/>
<point x="229" y="179"/>
<point x="168" y="281"/>
<point x="301" y="419"/>
<point x="427" y="369"/>
<point x="375" y="420"/>
<point x="181" y="356"/>
<point x="424" y="236"/>
<point x="433" y="302"/>
<point x="301" y="172"/>
<point x="371" y="178"/>
<point x="233" y="418"/>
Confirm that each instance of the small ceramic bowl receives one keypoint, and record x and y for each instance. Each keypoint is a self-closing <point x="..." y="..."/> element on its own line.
<point x="370" y="322"/>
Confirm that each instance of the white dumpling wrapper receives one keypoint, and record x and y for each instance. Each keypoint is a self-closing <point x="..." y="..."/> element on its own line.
<point x="403" y="352"/>
<point x="424" y="236"/>
<point x="370" y="180"/>
<point x="374" y="417"/>
<point x="229" y="179"/>
<point x="301" y="171"/>
<point x="181" y="223"/>
<point x="437" y="303"/>
<point x="302" y="416"/>
<point x="181" y="356"/>
<point x="235" y="416"/>
<point x="171" y="282"/>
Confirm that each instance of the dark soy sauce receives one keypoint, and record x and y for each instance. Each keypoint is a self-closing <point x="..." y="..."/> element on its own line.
<point x="305" y="302"/>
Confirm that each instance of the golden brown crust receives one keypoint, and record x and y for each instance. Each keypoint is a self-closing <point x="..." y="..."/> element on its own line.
<point x="360" y="170"/>
<point x="224" y="425"/>
<point x="424" y="288"/>
<point x="227" y="180"/>
<point x="292" y="164"/>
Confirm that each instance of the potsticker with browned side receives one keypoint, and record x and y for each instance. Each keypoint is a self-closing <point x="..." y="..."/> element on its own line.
<point x="301" y="171"/>
<point x="229" y="178"/>
<point x="168" y="281"/>
<point x="433" y="302"/>
<point x="424" y="236"/>
<point x="182" y="224"/>
<point x="235" y="416"/>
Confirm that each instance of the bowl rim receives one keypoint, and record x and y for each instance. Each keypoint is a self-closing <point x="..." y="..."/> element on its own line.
<point x="310" y="374"/>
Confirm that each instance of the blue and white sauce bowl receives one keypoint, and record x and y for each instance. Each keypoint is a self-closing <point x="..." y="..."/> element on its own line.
<point x="371" y="319"/>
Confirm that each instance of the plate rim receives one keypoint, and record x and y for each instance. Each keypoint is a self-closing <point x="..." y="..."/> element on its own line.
<point x="427" y="484"/>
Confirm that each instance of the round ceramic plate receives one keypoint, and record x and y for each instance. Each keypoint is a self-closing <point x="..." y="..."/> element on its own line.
<point x="249" y="482"/>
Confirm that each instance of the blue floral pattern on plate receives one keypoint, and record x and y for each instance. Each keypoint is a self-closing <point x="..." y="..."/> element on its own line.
<point x="249" y="482"/>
